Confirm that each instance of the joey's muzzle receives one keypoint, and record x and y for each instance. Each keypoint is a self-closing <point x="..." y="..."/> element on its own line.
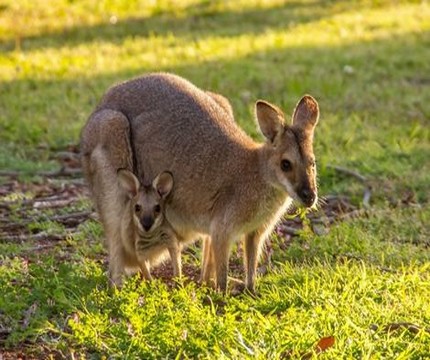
<point x="147" y="222"/>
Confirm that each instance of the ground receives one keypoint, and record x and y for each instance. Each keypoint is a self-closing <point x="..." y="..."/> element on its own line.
<point x="351" y="280"/>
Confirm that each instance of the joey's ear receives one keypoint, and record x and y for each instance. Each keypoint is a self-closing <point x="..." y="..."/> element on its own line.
<point x="306" y="113"/>
<point x="163" y="183"/>
<point x="128" y="181"/>
<point x="270" y="119"/>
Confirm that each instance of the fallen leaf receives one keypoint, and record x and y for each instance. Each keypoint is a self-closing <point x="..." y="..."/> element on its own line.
<point x="322" y="345"/>
<point x="325" y="343"/>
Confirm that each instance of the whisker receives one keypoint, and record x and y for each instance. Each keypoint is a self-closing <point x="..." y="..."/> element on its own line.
<point x="322" y="201"/>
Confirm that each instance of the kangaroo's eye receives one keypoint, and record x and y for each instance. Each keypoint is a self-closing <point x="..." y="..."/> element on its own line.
<point x="137" y="208"/>
<point x="286" y="165"/>
<point x="157" y="208"/>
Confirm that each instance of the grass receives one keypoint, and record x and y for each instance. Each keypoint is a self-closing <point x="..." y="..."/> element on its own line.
<point x="367" y="64"/>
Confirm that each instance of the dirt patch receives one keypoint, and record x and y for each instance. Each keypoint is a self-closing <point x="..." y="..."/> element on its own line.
<point x="56" y="200"/>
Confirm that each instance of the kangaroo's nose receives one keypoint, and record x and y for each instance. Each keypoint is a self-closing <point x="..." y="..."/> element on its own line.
<point x="308" y="196"/>
<point x="146" y="222"/>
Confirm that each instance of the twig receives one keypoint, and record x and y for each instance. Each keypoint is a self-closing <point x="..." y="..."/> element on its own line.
<point x="81" y="214"/>
<point x="11" y="226"/>
<point x="9" y="173"/>
<point x="331" y="197"/>
<point x="367" y="191"/>
<point x="22" y="202"/>
<point x="66" y="219"/>
<point x="78" y="182"/>
<point x="52" y="197"/>
<point x="413" y="328"/>
<point x="40" y="247"/>
<point x="40" y="202"/>
<point x="67" y="155"/>
<point x="348" y="172"/>
<point x="64" y="171"/>
<point x="366" y="196"/>
<point x="351" y="215"/>
<point x="52" y="204"/>
<point x="4" y="332"/>
<point x="33" y="237"/>
<point x="288" y="230"/>
<point x="29" y="313"/>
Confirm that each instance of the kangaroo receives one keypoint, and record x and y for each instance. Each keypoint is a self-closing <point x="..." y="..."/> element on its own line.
<point x="145" y="232"/>
<point x="105" y="148"/>
<point x="227" y="185"/>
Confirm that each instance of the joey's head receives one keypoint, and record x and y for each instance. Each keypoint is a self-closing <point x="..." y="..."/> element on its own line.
<point x="290" y="156"/>
<point x="146" y="203"/>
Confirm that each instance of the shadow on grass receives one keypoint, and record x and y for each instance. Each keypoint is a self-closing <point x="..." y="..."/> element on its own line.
<point x="43" y="292"/>
<point x="383" y="86"/>
<point x="202" y="20"/>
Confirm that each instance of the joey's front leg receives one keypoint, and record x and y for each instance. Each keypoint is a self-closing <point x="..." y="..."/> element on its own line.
<point x="144" y="269"/>
<point x="253" y="243"/>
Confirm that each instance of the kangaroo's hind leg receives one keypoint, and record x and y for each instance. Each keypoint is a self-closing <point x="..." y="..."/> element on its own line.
<point x="106" y="147"/>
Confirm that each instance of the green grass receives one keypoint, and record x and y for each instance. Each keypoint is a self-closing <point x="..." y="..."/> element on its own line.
<point x="367" y="63"/>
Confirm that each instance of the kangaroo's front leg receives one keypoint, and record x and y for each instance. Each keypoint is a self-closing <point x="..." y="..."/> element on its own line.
<point x="208" y="265"/>
<point x="253" y="244"/>
<point x="175" y="255"/>
<point x="220" y="246"/>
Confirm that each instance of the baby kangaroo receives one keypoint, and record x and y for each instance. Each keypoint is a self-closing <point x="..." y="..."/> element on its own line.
<point x="145" y="233"/>
<point x="227" y="185"/>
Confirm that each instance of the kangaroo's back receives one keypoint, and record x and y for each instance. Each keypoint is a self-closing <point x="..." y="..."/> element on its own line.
<point x="188" y="131"/>
<point x="177" y="105"/>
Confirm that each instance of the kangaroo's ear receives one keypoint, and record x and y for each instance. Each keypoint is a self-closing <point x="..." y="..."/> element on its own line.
<point x="270" y="119"/>
<point x="163" y="183"/>
<point x="128" y="182"/>
<point x="306" y="113"/>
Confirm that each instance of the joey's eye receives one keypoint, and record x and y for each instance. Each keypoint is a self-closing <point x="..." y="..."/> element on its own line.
<point x="157" y="208"/>
<point x="286" y="165"/>
<point x="137" y="208"/>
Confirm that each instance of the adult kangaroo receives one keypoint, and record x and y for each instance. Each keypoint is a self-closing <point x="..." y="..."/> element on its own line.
<point x="226" y="185"/>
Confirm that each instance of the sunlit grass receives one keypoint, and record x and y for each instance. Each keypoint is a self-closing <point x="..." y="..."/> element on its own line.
<point x="153" y="51"/>
<point x="367" y="64"/>
<point x="297" y="306"/>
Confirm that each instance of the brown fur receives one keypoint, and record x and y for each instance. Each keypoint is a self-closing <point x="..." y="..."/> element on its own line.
<point x="226" y="185"/>
<point x="105" y="148"/>
<point x="146" y="235"/>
